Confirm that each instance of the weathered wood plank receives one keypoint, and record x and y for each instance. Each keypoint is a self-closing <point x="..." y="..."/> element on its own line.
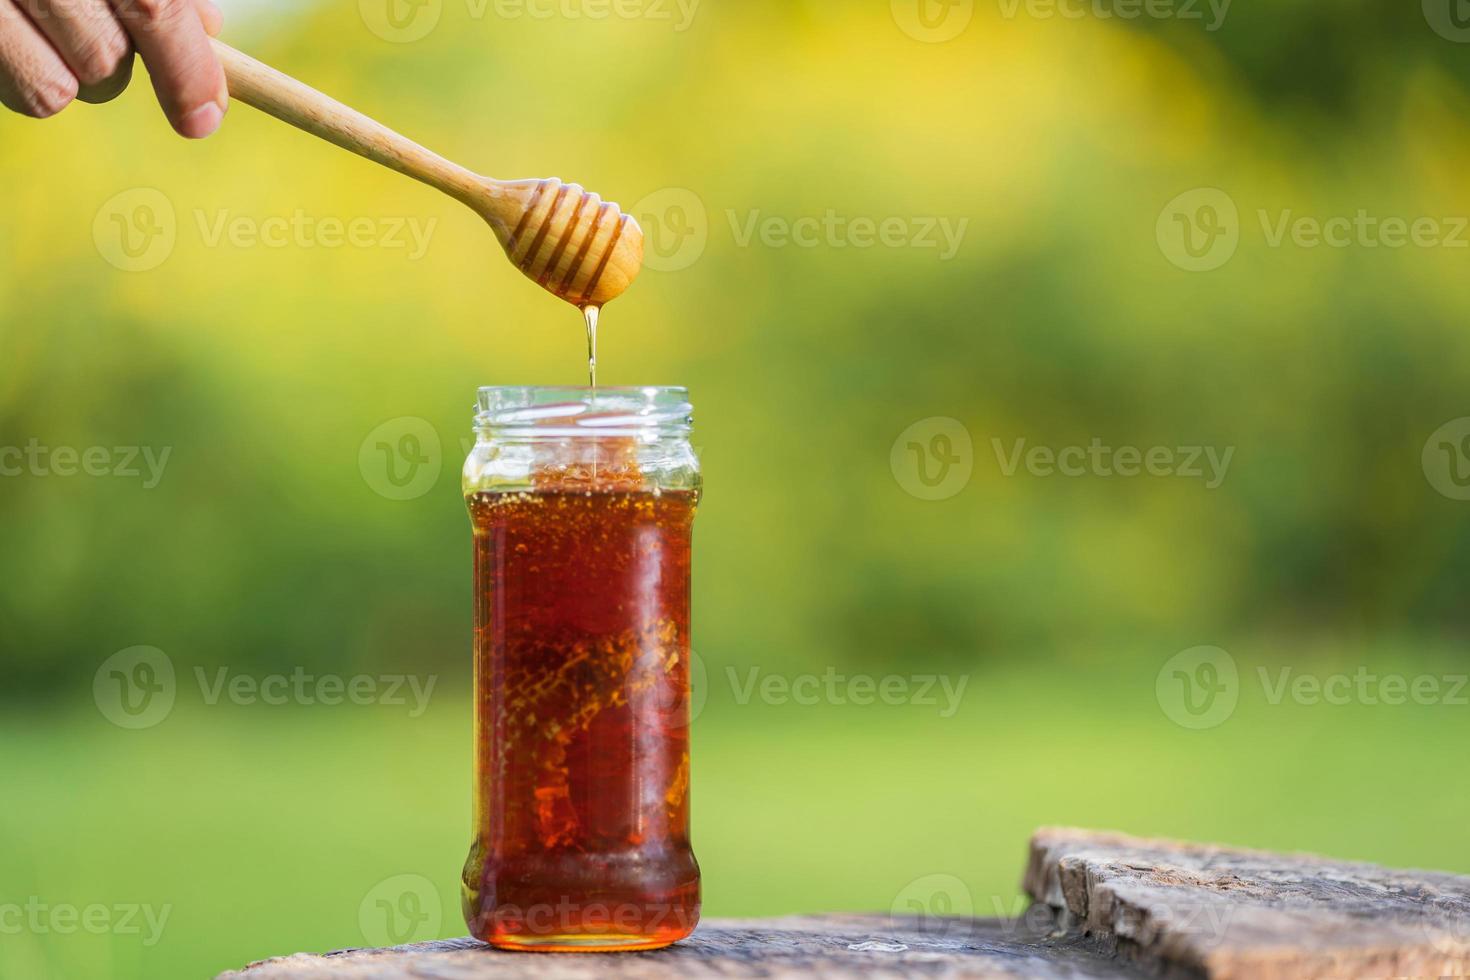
<point x="837" y="947"/>
<point x="1230" y="913"/>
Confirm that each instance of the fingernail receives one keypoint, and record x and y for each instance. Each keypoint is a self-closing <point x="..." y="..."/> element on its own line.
<point x="201" y="122"/>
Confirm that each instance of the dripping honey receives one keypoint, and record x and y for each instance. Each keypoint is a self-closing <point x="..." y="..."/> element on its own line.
<point x="591" y="314"/>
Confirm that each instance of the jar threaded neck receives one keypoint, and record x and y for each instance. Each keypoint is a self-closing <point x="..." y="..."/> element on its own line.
<point x="550" y="412"/>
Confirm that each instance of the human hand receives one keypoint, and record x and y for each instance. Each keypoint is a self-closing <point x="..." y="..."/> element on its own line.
<point x="55" y="51"/>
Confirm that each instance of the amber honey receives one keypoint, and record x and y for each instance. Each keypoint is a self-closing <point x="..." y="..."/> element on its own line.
<point x="582" y="719"/>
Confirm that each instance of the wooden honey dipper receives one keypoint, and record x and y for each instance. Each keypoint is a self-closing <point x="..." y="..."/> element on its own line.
<point x="565" y="238"/>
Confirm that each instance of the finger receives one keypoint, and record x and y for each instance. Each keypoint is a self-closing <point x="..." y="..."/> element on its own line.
<point x="210" y="15"/>
<point x="34" y="80"/>
<point x="85" y="34"/>
<point x="112" y="86"/>
<point x="170" y="38"/>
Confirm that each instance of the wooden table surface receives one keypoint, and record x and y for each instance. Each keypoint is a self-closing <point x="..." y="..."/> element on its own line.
<point x="1105" y="905"/>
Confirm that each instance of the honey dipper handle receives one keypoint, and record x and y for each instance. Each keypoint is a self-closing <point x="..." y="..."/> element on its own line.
<point x="302" y="106"/>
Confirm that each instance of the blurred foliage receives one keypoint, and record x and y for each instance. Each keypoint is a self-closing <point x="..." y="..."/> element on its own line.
<point x="1058" y="322"/>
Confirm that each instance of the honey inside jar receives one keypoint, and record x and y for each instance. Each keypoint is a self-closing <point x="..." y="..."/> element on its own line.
<point x="582" y="647"/>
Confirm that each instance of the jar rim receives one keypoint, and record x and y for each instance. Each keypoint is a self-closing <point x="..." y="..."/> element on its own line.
<point x="587" y="389"/>
<point x="564" y="410"/>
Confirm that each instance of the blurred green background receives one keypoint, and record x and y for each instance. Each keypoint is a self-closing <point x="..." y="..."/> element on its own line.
<point x="1077" y="151"/>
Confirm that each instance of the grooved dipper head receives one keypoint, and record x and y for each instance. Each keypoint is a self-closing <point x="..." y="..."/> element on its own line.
<point x="568" y="240"/>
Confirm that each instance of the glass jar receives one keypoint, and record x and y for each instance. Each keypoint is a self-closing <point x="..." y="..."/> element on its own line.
<point x="582" y="502"/>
